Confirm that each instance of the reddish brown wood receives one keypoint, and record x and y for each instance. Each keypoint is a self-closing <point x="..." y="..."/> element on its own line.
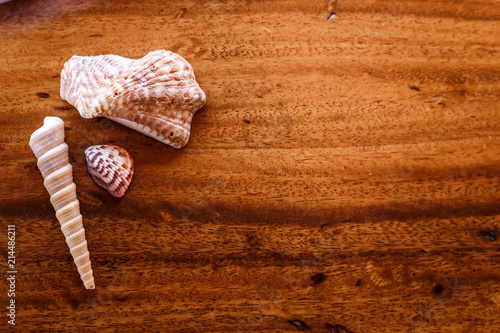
<point x="344" y="175"/>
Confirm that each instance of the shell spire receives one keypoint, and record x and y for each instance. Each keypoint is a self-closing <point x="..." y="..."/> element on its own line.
<point x="156" y="95"/>
<point x="48" y="145"/>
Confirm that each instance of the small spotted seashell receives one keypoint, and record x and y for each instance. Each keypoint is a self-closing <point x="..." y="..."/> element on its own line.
<point x="111" y="167"/>
<point x="156" y="95"/>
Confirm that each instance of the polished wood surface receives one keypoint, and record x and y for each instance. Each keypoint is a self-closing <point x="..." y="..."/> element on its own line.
<point x="344" y="175"/>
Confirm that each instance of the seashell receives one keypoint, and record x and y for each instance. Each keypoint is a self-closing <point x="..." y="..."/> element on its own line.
<point x="111" y="167"/>
<point x="156" y="95"/>
<point x="47" y="143"/>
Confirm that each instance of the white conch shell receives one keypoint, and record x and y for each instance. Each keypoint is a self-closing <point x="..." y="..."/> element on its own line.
<point x="47" y="143"/>
<point x="111" y="167"/>
<point x="156" y="95"/>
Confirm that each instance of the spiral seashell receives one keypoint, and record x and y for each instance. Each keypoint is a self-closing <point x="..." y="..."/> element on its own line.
<point x="47" y="143"/>
<point x="111" y="167"/>
<point x="156" y="95"/>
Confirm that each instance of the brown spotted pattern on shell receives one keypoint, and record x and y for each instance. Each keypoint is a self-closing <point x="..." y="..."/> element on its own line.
<point x="156" y="95"/>
<point x="111" y="167"/>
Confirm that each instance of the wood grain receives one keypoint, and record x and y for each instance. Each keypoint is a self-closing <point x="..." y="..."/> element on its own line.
<point x="344" y="175"/>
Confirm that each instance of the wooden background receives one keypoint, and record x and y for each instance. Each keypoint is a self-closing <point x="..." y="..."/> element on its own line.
<point x="344" y="175"/>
